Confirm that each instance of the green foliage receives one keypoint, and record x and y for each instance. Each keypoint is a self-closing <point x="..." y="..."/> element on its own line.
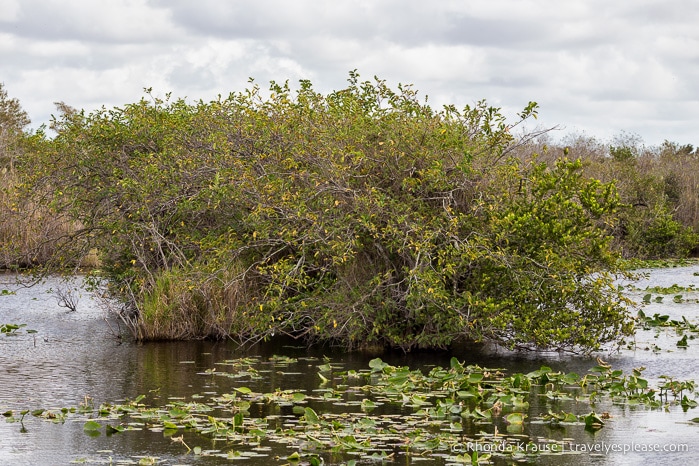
<point x="362" y="217"/>
<point x="657" y="187"/>
<point x="654" y="233"/>
<point x="547" y="241"/>
<point x="624" y="154"/>
<point x="12" y="120"/>
<point x="14" y="329"/>
<point x="10" y="329"/>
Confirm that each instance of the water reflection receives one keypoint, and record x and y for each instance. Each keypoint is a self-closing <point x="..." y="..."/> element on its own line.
<point x="74" y="357"/>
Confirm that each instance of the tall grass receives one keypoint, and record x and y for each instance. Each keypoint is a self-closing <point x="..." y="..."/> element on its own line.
<point x="186" y="304"/>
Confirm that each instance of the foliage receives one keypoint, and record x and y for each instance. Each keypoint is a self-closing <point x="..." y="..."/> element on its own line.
<point x="12" y="120"/>
<point x="659" y="218"/>
<point x="362" y="217"/>
<point x="654" y="233"/>
<point x="550" y="271"/>
<point x="28" y="232"/>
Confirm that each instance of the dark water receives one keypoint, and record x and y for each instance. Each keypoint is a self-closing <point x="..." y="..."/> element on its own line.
<point x="74" y="357"/>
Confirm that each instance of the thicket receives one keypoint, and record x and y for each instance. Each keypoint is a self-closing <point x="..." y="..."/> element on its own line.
<point x="661" y="191"/>
<point x="658" y="188"/>
<point x="26" y="229"/>
<point x="362" y="217"/>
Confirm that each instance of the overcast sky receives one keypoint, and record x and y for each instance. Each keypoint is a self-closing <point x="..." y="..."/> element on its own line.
<point x="596" y="67"/>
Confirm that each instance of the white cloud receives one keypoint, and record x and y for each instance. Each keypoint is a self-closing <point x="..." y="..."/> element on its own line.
<point x="9" y="10"/>
<point x="596" y="66"/>
<point x="116" y="21"/>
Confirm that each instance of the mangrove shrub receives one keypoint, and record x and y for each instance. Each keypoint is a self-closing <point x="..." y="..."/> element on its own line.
<point x="362" y="217"/>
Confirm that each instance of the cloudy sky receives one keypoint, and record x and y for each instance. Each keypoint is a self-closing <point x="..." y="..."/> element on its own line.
<point x="600" y="68"/>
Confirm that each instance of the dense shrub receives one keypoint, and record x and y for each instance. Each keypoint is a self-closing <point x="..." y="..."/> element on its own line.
<point x="362" y="217"/>
<point x="658" y="190"/>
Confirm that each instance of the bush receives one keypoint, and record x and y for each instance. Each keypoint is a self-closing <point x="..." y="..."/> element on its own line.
<point x="362" y="218"/>
<point x="658" y="192"/>
<point x="655" y="234"/>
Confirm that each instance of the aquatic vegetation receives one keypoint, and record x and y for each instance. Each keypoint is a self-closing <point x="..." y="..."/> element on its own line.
<point x="14" y="329"/>
<point x="663" y="320"/>
<point x="464" y="413"/>
<point x="672" y="289"/>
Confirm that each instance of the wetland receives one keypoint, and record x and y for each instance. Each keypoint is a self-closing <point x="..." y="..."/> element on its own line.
<point x="72" y="392"/>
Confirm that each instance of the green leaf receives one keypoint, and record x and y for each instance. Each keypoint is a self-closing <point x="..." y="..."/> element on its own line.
<point x="169" y="425"/>
<point x="592" y="421"/>
<point x="367" y="405"/>
<point x="311" y="416"/>
<point x="377" y="365"/>
<point x="114" y="429"/>
<point x="91" y="426"/>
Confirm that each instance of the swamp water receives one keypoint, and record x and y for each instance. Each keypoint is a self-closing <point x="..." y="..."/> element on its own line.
<point x="71" y="393"/>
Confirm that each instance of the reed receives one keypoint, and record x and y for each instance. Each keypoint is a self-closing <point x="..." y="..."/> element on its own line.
<point x="185" y="304"/>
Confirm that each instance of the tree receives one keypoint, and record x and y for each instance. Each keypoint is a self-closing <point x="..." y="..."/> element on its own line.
<point x="13" y="119"/>
<point x="12" y="116"/>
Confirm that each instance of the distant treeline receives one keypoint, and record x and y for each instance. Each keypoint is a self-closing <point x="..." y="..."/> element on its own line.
<point x="362" y="217"/>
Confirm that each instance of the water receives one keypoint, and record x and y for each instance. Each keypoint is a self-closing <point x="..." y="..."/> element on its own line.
<point x="75" y="358"/>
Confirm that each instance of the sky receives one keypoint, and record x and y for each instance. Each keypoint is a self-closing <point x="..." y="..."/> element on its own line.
<point x="597" y="68"/>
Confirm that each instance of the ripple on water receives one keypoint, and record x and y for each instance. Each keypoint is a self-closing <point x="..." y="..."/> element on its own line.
<point x="73" y="355"/>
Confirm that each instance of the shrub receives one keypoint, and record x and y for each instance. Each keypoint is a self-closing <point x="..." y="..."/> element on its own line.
<point x="361" y="217"/>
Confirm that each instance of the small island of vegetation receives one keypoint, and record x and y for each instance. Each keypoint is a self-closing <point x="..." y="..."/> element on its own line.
<point x="362" y="218"/>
